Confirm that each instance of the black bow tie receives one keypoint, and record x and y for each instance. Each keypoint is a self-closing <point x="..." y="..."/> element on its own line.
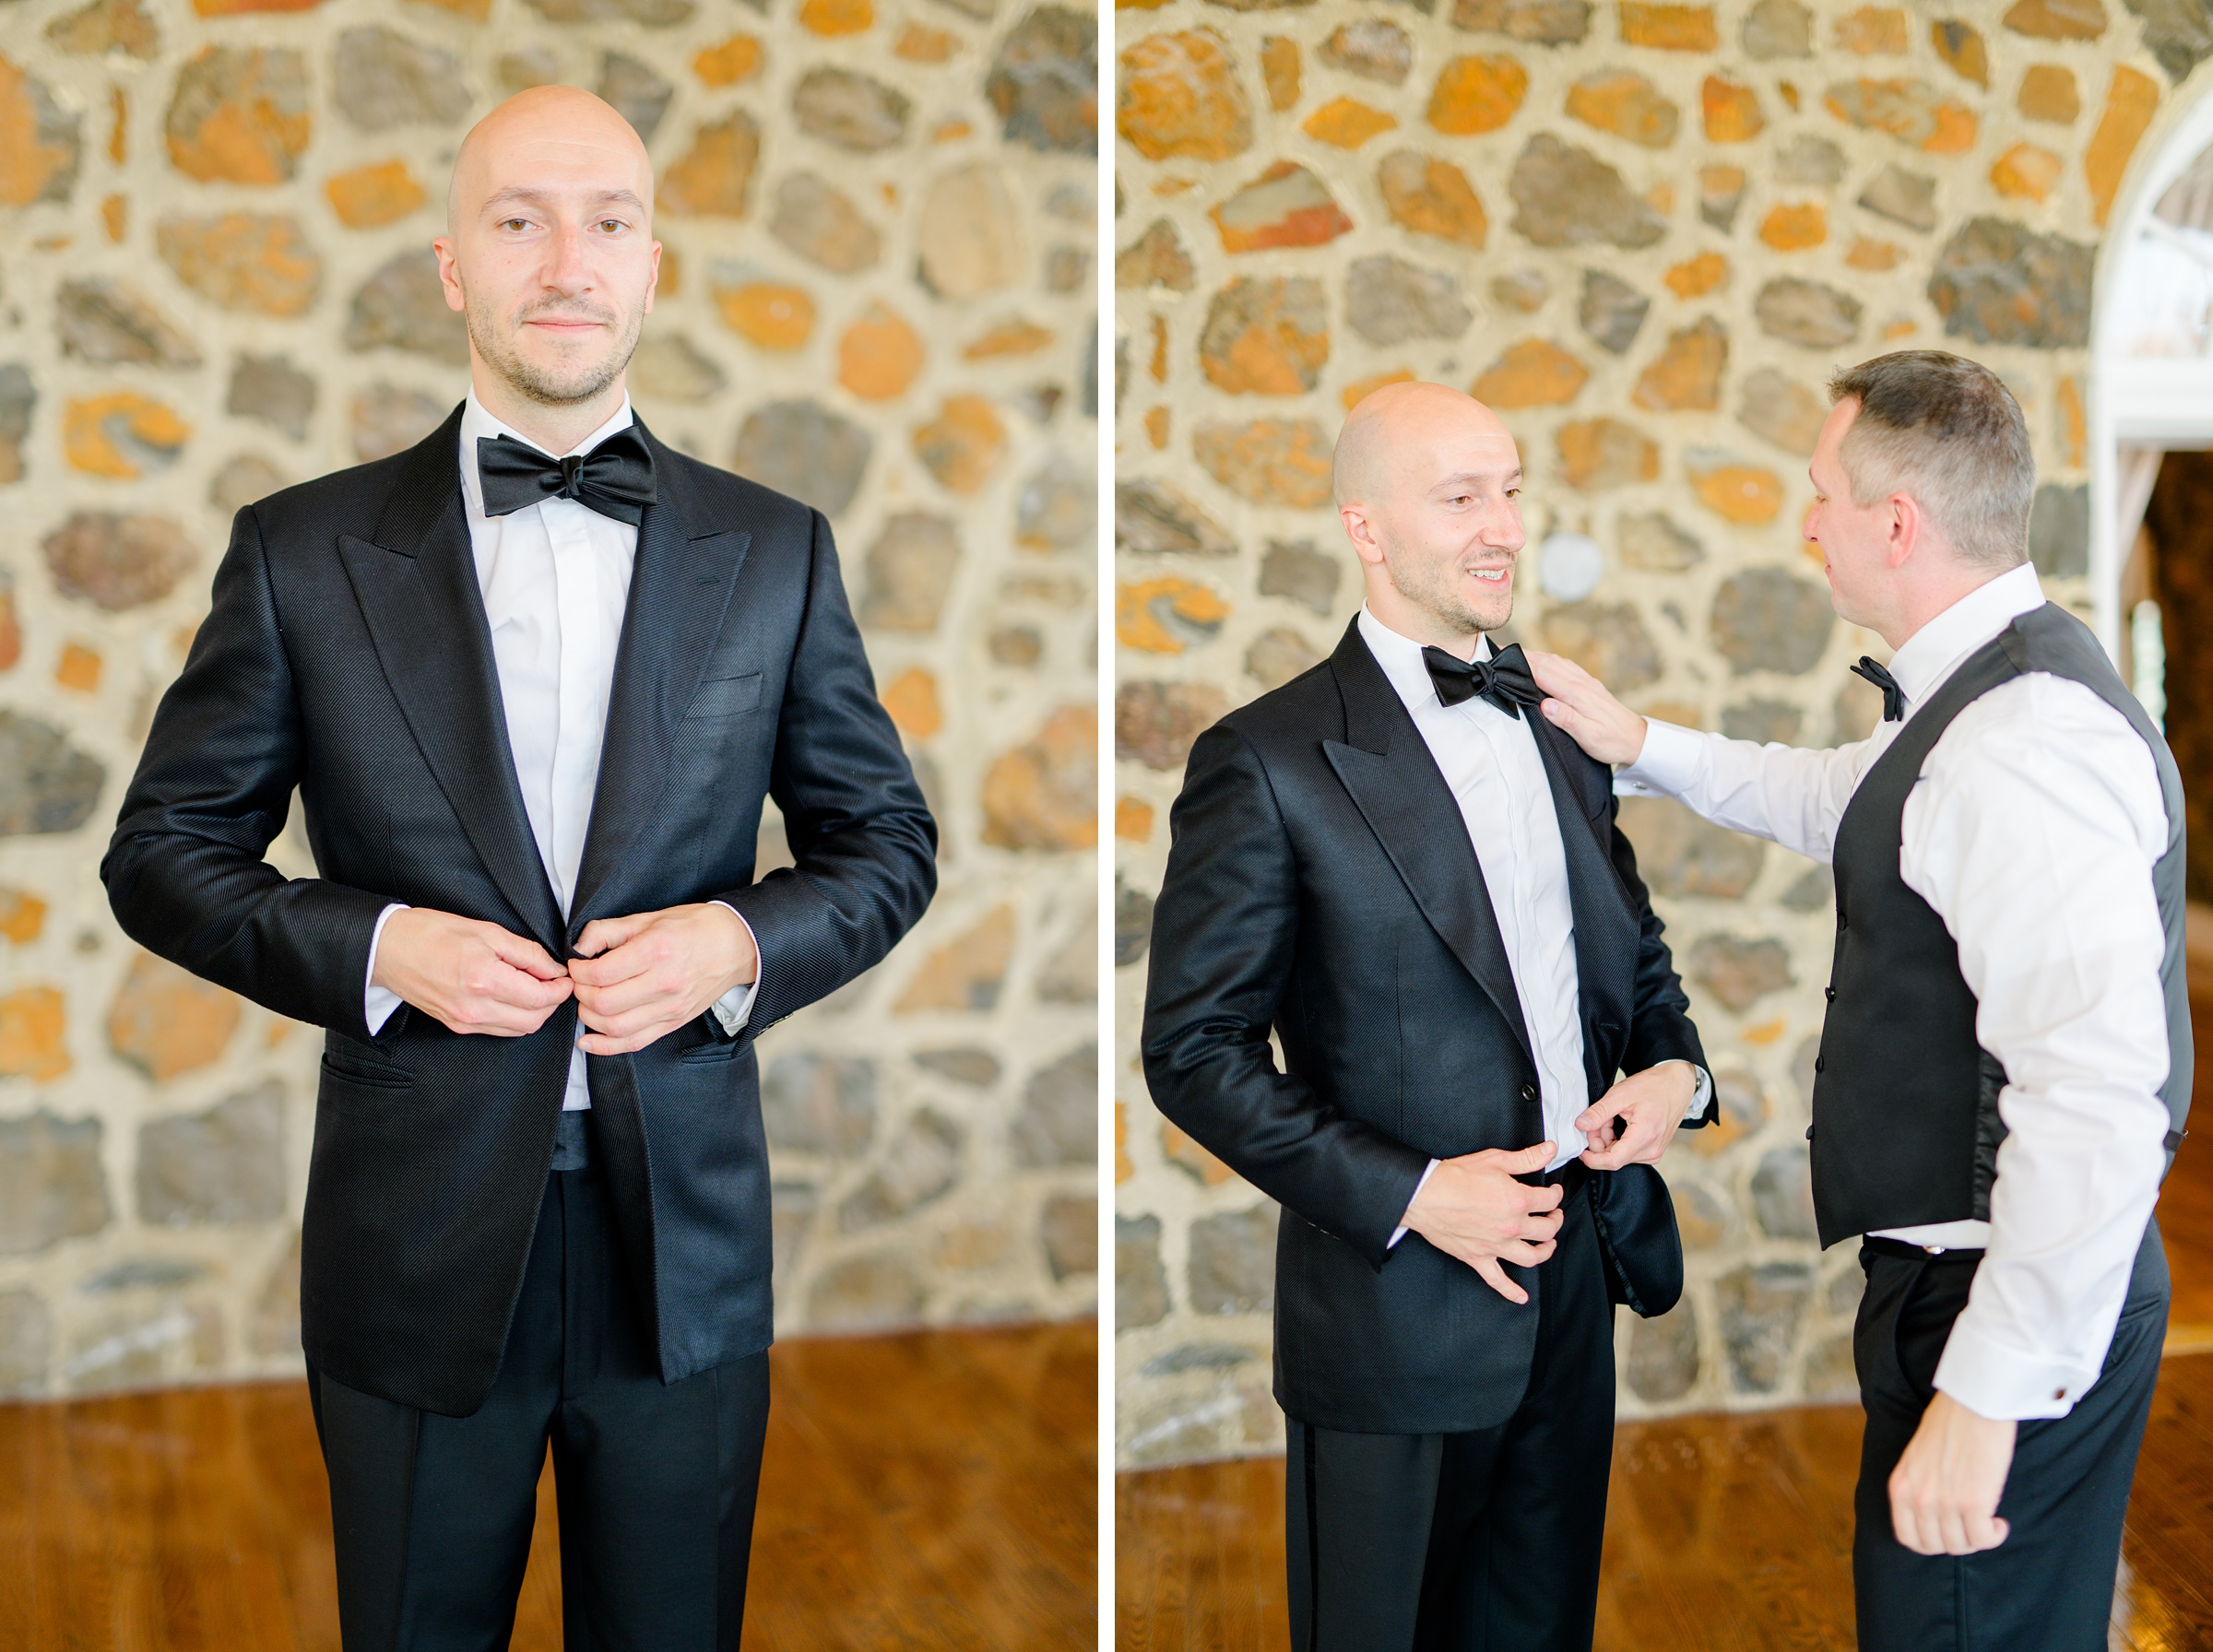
<point x="615" y="479"/>
<point x="1893" y="697"/>
<point x="1504" y="679"/>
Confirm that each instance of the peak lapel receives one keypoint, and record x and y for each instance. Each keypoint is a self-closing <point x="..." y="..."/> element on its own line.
<point x="1385" y="765"/>
<point x="415" y="579"/>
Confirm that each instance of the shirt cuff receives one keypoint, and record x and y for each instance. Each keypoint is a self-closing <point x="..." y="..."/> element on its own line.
<point x="2004" y="1383"/>
<point x="1398" y="1233"/>
<point x="378" y="1002"/>
<point x="732" y="1009"/>
<point x="1700" y="1093"/>
<point x="1669" y="763"/>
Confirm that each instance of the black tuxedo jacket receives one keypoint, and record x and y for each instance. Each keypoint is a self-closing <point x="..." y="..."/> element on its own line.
<point x="347" y="655"/>
<point x="1321" y="883"/>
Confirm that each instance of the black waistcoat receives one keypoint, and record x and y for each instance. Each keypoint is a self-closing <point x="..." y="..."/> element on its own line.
<point x="1906" y="1127"/>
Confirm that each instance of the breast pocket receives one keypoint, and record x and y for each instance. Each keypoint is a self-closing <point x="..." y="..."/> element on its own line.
<point x="724" y="697"/>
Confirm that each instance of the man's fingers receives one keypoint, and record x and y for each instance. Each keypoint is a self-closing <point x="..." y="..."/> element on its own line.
<point x="602" y="935"/>
<point x="522" y="952"/>
<point x="1527" y="1159"/>
<point x="1494" y="1276"/>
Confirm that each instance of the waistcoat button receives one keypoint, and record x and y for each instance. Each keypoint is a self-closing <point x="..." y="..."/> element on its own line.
<point x="1820" y="1064"/>
<point x="1528" y="1092"/>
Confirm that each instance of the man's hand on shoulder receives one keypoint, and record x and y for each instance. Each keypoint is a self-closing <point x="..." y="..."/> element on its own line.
<point x="472" y="976"/>
<point x="1651" y="1105"/>
<point x="1944" y="1491"/>
<point x="1472" y="1208"/>
<point x="641" y="978"/>
<point x="1584" y="709"/>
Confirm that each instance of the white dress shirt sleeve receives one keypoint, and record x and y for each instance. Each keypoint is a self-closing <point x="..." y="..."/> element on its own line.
<point x="379" y="1002"/>
<point x="734" y="1007"/>
<point x="2033" y="834"/>
<point x="1789" y="795"/>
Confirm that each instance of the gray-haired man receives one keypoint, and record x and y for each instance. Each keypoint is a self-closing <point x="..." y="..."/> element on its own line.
<point x="2006" y="1056"/>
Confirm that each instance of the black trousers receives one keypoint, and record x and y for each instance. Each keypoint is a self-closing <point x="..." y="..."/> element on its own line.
<point x="1485" y="1541"/>
<point x="655" y="1481"/>
<point x="2049" y="1587"/>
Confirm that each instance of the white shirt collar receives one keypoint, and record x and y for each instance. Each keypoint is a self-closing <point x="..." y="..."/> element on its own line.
<point x="475" y="422"/>
<point x="1931" y="654"/>
<point x="1400" y="657"/>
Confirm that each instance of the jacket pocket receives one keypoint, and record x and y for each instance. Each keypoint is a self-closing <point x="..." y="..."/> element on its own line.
<point x="726" y="697"/>
<point x="351" y="1069"/>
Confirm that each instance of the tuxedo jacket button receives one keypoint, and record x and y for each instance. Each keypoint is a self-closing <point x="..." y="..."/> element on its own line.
<point x="1820" y="1063"/>
<point x="1528" y="1092"/>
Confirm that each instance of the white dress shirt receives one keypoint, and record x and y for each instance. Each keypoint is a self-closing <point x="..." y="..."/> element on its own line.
<point x="1490" y="761"/>
<point x="2032" y="832"/>
<point x="556" y="582"/>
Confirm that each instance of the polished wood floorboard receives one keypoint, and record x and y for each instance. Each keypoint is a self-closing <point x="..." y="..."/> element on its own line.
<point x="929" y="1491"/>
<point x="1723" y="1534"/>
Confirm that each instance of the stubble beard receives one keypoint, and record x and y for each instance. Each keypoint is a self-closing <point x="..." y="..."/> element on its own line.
<point x="578" y="382"/>
<point x="1433" y="591"/>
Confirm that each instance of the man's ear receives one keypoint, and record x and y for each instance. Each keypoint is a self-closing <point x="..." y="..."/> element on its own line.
<point x="1906" y="523"/>
<point x="1361" y="532"/>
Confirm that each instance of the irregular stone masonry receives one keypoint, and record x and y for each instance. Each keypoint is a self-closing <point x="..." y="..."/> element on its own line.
<point x="1647" y="235"/>
<point x="215" y="279"/>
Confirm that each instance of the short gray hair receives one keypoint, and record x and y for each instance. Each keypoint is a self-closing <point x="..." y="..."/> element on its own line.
<point x="1947" y="432"/>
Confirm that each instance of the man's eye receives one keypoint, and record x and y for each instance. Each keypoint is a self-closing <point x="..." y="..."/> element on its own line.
<point x="509" y="223"/>
<point x="610" y="222"/>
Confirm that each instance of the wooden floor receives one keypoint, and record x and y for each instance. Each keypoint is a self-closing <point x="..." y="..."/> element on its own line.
<point x="921" y="1492"/>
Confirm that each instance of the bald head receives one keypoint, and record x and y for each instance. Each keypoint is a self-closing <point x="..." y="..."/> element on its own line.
<point x="536" y="135"/>
<point x="1402" y="424"/>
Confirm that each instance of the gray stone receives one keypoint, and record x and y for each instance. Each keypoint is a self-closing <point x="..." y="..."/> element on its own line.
<point x="921" y="1165"/>
<point x="1721" y="193"/>
<point x="1700" y="1218"/>
<point x="163" y="1340"/>
<point x="1056" y="510"/>
<point x="1071" y="973"/>
<point x="2059" y="531"/>
<point x="791" y="1212"/>
<point x="2179" y="33"/>
<point x="1058" y="1120"/>
<point x="53" y="133"/>
<point x="1152" y="518"/>
<point x="1303" y="574"/>
<point x="1538" y="22"/>
<point x="1069" y="1228"/>
<point x="1199" y="1356"/>
<point x="99" y="319"/>
<point x="1524" y="290"/>
<point x="965" y="1065"/>
<point x="969" y="235"/>
<point x="403" y="305"/>
<point x="1017" y="644"/>
<point x="19" y="398"/>
<point x="1770" y="620"/>
<point x="387" y="80"/>
<point x="226" y="1164"/>
<point x="1806" y="313"/>
<point x="1157" y="258"/>
<point x="1132" y="923"/>
<point x="1831" y="1372"/>
<point x="819" y="222"/>
<point x="1762" y="720"/>
<point x="1778" y="409"/>
<point x="1739" y="972"/>
<point x="51" y="1185"/>
<point x="1813" y="891"/>
<point x="1140" y="1282"/>
<point x="26" y="1342"/>
<point x="1782" y="1194"/>
<point x="144" y="1273"/>
<point x="1044" y="82"/>
<point x="1903" y="197"/>
<point x="533" y="65"/>
<point x="1999" y="282"/>
<point x="866" y="1293"/>
<point x="1679" y="854"/>
<point x="819" y="1105"/>
<point x="803" y="449"/>
<point x="1157" y="721"/>
<point x="1288" y="313"/>
<point x="1607" y="639"/>
<point x="271" y="389"/>
<point x="1741" y="1103"/>
<point x="849" y="110"/>
<point x="242" y="481"/>
<point x="1611" y="311"/>
<point x="1389" y="301"/>
<point x="1567" y="197"/>
<point x="1232" y="1267"/>
<point x="1760" y="1308"/>
<point x="670" y="367"/>
<point x="1778" y="28"/>
<point x="1664" y="1355"/>
<point x="911" y="569"/>
<point x="1650" y="540"/>
<point x="654" y="14"/>
<point x="115" y="562"/>
<point x="1808" y="160"/>
<point x="1077" y="203"/>
<point x="46" y="784"/>
<point x="1801" y="1066"/>
<point x="1278" y="654"/>
<point x="636" y="92"/>
<point x="387" y="418"/>
<point x="1372" y="48"/>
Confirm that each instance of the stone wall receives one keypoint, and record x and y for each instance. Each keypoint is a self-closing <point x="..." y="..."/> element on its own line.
<point x="1646" y="233"/>
<point x="877" y="294"/>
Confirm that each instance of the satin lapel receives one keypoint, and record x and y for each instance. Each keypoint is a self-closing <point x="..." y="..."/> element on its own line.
<point x="1386" y="767"/>
<point x="679" y="588"/>
<point x="1606" y="929"/>
<point x="415" y="579"/>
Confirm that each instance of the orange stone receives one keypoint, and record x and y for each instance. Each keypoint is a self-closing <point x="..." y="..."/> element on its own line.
<point x="2026" y="170"/>
<point x="114" y="216"/>
<point x="2131" y="100"/>
<point x="1732" y="111"/>
<point x="2057" y="20"/>
<point x="1477" y="94"/>
<point x="2074" y="428"/>
<point x="78" y="669"/>
<point x="917" y="44"/>
<point x="122" y="434"/>
<point x="1359" y="390"/>
<point x="1044" y="795"/>
<point x="22" y="915"/>
<point x="1166" y="615"/>
<point x="1133" y="824"/>
<point x="1159" y="367"/>
<point x="11" y="629"/>
<point x="369" y="196"/>
<point x="879" y="355"/>
<point x="248" y="135"/>
<point x="964" y="444"/>
<point x="713" y="178"/>
<point x="1285" y="207"/>
<point x="831" y="18"/>
<point x="739" y="58"/>
<point x="1265" y="337"/>
<point x="1598" y="454"/>
<point x="1963" y="48"/>
<point x="1626" y="104"/>
<point x="1182" y="1151"/>
<point x="1669" y="28"/>
<point x="242" y="261"/>
<point x="1156" y="427"/>
<point x="1792" y="229"/>
<point x="1873" y="31"/>
<point x="1123" y="1168"/>
<point x="2048" y="94"/>
<point x="476" y="11"/>
<point x="1432" y="198"/>
<point x="1744" y="494"/>
<point x="1686" y="375"/>
<point x="911" y="698"/>
<point x="1181" y="100"/>
<point x="1902" y="326"/>
<point x="119" y="124"/>
<point x="233" y="9"/>
<point x="1017" y="337"/>
<point x="165" y="1022"/>
<point x="27" y="166"/>
<point x="949" y="132"/>
<point x="967" y="973"/>
<point x="1346" y="122"/>
<point x="1533" y="373"/>
<point x="774" y="316"/>
<point x="1280" y="70"/>
<point x="1872" y="256"/>
<point x="33" y="1035"/>
<point x="1281" y="462"/>
<point x="1696" y="276"/>
<point x="1910" y="110"/>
